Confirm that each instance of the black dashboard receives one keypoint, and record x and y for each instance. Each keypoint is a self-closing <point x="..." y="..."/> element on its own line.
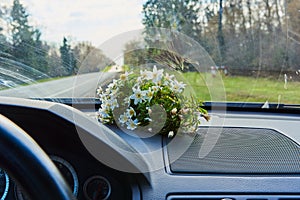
<point x="243" y="163"/>
<point x="59" y="139"/>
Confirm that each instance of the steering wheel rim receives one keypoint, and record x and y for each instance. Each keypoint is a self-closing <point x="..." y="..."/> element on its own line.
<point x="24" y="160"/>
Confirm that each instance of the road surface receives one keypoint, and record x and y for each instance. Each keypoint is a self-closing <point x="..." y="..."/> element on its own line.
<point x="83" y="85"/>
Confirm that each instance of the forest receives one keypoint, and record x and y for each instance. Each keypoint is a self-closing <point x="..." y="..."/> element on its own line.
<point x="247" y="36"/>
<point x="21" y="44"/>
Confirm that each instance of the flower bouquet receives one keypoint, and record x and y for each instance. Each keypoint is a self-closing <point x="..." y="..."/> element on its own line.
<point x="152" y="99"/>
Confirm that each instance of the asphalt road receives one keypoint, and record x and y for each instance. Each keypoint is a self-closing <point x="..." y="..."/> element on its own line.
<point x="83" y="85"/>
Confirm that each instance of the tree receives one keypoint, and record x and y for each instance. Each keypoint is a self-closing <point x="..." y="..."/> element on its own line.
<point x="179" y="15"/>
<point x="134" y="54"/>
<point x="27" y="46"/>
<point x="54" y="61"/>
<point x="293" y="8"/>
<point x="293" y="32"/>
<point x="67" y="57"/>
<point x="90" y="58"/>
<point x="258" y="35"/>
<point x="4" y="44"/>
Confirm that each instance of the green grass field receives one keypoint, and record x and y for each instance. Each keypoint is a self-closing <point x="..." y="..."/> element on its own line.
<point x="242" y="89"/>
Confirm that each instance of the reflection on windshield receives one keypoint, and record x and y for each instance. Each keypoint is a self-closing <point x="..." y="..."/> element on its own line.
<point x="253" y="47"/>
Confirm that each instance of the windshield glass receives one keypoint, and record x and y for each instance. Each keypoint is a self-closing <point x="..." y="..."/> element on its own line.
<point x="224" y="50"/>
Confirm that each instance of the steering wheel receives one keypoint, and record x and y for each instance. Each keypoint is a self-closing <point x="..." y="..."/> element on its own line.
<point x="29" y="165"/>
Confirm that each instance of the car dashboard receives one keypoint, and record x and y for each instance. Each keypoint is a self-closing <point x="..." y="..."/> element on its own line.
<point x="249" y="154"/>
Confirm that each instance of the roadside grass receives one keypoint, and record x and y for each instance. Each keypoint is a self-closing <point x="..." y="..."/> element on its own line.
<point x="241" y="89"/>
<point x="50" y="79"/>
<point x="107" y="68"/>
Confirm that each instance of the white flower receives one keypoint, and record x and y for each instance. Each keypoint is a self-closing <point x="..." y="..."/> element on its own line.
<point x="139" y="80"/>
<point x="174" y="111"/>
<point x="112" y="85"/>
<point x="168" y="79"/>
<point x="132" y="124"/>
<point x="107" y="91"/>
<point x="144" y="74"/>
<point x="103" y="112"/>
<point x="114" y="104"/>
<point x="110" y="104"/>
<point x="171" y="134"/>
<point x="123" y="118"/>
<point x="177" y="86"/>
<point x="99" y="90"/>
<point x="149" y="94"/>
<point x="156" y="75"/>
<point x="105" y="103"/>
<point x="138" y="95"/>
<point x="155" y="88"/>
<point x="124" y="77"/>
<point x="114" y="91"/>
<point x="131" y="112"/>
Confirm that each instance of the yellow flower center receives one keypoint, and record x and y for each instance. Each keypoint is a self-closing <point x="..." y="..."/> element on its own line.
<point x="123" y="77"/>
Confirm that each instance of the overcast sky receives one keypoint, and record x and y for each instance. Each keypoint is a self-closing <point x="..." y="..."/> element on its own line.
<point x="83" y="20"/>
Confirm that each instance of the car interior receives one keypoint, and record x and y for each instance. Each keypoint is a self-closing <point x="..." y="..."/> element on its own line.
<point x="248" y="161"/>
<point x="78" y="120"/>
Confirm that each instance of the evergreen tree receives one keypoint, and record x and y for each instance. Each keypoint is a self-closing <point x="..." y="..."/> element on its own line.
<point x="67" y="57"/>
<point x="27" y="46"/>
<point x="4" y="44"/>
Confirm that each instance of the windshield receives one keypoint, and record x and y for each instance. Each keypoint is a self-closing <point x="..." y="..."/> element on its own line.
<point x="224" y="50"/>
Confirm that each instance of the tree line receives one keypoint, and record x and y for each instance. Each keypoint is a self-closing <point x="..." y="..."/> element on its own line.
<point x="21" y="43"/>
<point x="245" y="35"/>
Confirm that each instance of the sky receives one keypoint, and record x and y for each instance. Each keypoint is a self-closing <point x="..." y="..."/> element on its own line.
<point x="95" y="21"/>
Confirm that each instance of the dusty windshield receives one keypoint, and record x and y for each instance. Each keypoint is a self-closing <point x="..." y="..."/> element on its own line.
<point x="225" y="50"/>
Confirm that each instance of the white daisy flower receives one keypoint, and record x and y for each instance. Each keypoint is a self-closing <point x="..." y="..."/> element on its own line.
<point x="132" y="124"/>
<point x="124" y="77"/>
<point x="107" y="105"/>
<point x="168" y="79"/>
<point x="99" y="90"/>
<point x="131" y="112"/>
<point x="138" y="95"/>
<point x="103" y="112"/>
<point x="144" y="74"/>
<point x="177" y="86"/>
<point x="156" y="75"/>
<point x="114" y="104"/>
<point x="155" y="88"/>
<point x="113" y="93"/>
<point x="112" y="85"/>
<point x="149" y="94"/>
<point x="123" y="118"/>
